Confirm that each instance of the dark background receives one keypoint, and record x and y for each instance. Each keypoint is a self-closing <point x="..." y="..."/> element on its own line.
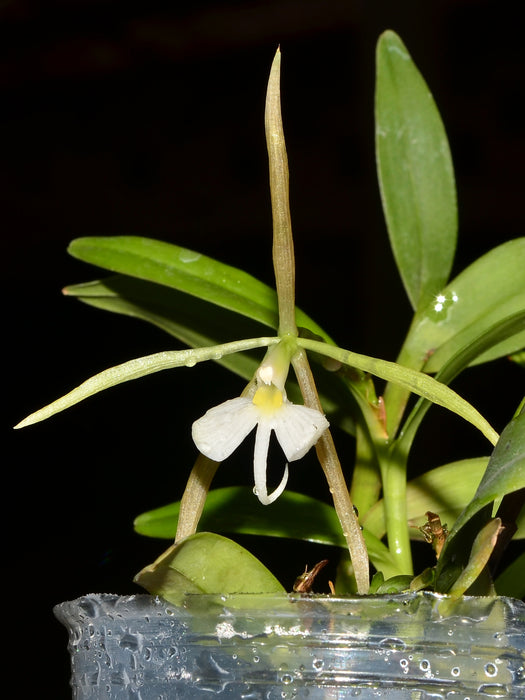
<point x="146" y="118"/>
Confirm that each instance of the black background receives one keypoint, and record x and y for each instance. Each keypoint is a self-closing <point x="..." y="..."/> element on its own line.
<point x="146" y="118"/>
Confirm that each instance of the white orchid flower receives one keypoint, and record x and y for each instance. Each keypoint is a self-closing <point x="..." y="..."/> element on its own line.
<point x="297" y="428"/>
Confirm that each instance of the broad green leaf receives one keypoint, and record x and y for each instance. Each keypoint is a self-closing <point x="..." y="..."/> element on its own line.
<point x="187" y="271"/>
<point x="505" y="474"/>
<point x="296" y="516"/>
<point x="416" y="382"/>
<point x="140" y="367"/>
<point x="415" y="172"/>
<point x="206" y="563"/>
<point x="486" y="293"/>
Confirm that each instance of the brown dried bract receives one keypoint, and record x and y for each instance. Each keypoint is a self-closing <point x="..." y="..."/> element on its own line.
<point x="305" y="582"/>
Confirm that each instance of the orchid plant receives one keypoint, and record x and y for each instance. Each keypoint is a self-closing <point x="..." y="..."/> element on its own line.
<point x="477" y="317"/>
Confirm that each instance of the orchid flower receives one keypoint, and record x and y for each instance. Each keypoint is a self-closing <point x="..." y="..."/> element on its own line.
<point x="297" y="428"/>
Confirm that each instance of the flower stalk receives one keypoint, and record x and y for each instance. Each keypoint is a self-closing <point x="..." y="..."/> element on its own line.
<point x="327" y="455"/>
<point x="283" y="250"/>
<point x="194" y="497"/>
<point x="284" y="266"/>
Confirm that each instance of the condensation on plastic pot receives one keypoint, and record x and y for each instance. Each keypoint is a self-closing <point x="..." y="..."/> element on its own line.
<point x="260" y="647"/>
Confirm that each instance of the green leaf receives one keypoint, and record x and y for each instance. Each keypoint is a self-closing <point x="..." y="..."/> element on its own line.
<point x="187" y="271"/>
<point x="482" y="548"/>
<point x="505" y="474"/>
<point x="194" y="322"/>
<point x="390" y="586"/>
<point x="484" y="295"/>
<point x="296" y="516"/>
<point x="206" y="563"/>
<point x="415" y="171"/>
<point x="140" y="367"/>
<point x="505" y="471"/>
<point x="233" y="509"/>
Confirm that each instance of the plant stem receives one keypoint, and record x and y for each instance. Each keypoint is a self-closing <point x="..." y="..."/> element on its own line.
<point x="194" y="497"/>
<point x="394" y="477"/>
<point x="331" y="465"/>
<point x="366" y="479"/>
<point x="283" y="250"/>
<point x="284" y="266"/>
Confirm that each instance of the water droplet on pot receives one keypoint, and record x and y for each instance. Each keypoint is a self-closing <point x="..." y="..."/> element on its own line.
<point x="491" y="670"/>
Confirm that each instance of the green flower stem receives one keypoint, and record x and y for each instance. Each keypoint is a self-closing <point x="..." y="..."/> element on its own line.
<point x="283" y="249"/>
<point x="329" y="460"/>
<point x="194" y="496"/>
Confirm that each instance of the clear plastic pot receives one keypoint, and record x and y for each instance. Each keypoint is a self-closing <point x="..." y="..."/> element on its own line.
<point x="259" y="647"/>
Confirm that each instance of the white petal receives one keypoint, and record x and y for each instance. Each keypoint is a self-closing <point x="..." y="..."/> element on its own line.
<point x="298" y="428"/>
<point x="222" y="429"/>
<point x="260" y="457"/>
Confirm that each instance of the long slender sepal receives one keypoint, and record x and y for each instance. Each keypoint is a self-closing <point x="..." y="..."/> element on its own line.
<point x="140" y="367"/>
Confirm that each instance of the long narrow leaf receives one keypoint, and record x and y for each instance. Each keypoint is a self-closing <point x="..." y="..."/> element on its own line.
<point x="192" y="321"/>
<point x="296" y="516"/>
<point x="187" y="271"/>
